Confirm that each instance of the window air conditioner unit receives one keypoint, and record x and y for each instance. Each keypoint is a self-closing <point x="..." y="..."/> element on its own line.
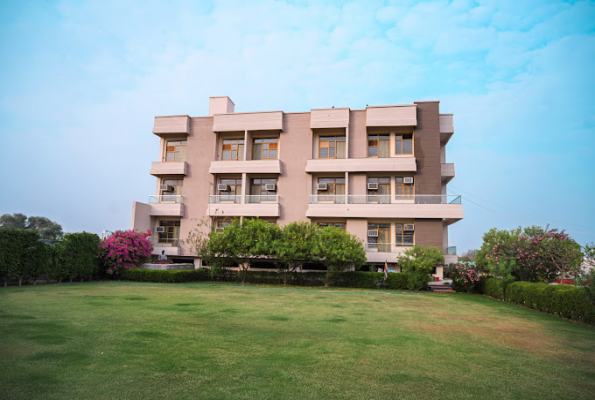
<point x="409" y="227"/>
<point x="408" y="179"/>
<point x="222" y="188"/>
<point x="160" y="229"/>
<point x="372" y="186"/>
<point x="322" y="186"/>
<point x="270" y="186"/>
<point x="372" y="233"/>
<point x="166" y="188"/>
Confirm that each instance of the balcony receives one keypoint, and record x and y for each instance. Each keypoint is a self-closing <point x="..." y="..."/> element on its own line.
<point x="381" y="252"/>
<point x="447" y="128"/>
<point x="251" y="121"/>
<point x="169" y="168"/>
<point x="170" y="245"/>
<point x="405" y="115"/>
<point x="171" y="125"/>
<point x="329" y="118"/>
<point x="249" y="167"/>
<point x="243" y="206"/>
<point x="166" y="206"/>
<point x="446" y="207"/>
<point x="404" y="164"/>
<point x="450" y="255"/>
<point x="447" y="172"/>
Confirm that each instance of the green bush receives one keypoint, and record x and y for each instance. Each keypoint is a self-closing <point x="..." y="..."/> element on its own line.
<point x="566" y="301"/>
<point x="364" y="280"/>
<point x="495" y="287"/>
<point x="22" y="255"/>
<point x="76" y="257"/>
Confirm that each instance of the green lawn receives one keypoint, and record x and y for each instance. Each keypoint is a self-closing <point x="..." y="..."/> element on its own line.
<point x="211" y="341"/>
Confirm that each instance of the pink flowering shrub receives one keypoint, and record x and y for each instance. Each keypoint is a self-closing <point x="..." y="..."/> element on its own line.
<point x="125" y="250"/>
<point x="465" y="275"/>
<point x="533" y="254"/>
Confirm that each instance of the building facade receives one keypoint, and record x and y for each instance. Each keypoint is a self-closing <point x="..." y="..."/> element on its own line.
<point x="379" y="173"/>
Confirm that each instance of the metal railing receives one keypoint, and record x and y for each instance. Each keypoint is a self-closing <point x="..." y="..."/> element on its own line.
<point x="164" y="242"/>
<point x="166" y="199"/>
<point x="385" y="247"/>
<point x="267" y="198"/>
<point x="400" y="199"/>
<point x="327" y="198"/>
<point x="450" y="251"/>
<point x="225" y="198"/>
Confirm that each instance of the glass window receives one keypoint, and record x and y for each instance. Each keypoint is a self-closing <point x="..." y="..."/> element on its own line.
<point x="265" y="148"/>
<point x="380" y="195"/>
<point x="335" y="190"/>
<point x="378" y="145"/>
<point x="259" y="191"/>
<point x="331" y="147"/>
<point x="381" y="241"/>
<point x="339" y="225"/>
<point x="404" y="238"/>
<point x="404" y="144"/>
<point x="232" y="149"/>
<point x="171" y="234"/>
<point x="233" y="191"/>
<point x="175" y="150"/>
<point x="174" y="189"/>
<point x="403" y="191"/>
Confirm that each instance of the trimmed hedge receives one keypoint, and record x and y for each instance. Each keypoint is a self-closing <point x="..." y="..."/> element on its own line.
<point x="364" y="280"/>
<point x="565" y="301"/>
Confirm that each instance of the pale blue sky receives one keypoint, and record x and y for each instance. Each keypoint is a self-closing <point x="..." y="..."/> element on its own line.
<point x="82" y="81"/>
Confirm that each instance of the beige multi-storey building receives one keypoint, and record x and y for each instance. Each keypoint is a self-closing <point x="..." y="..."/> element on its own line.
<point x="379" y="173"/>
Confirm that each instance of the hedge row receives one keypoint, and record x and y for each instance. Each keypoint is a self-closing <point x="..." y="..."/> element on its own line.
<point x="566" y="301"/>
<point x="364" y="280"/>
<point x="25" y="258"/>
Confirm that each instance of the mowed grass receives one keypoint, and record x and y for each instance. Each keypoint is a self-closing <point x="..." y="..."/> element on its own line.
<point x="216" y="341"/>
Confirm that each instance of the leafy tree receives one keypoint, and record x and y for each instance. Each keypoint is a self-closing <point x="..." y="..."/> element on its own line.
<point x="418" y="262"/>
<point x="77" y="256"/>
<point x="125" y="250"/>
<point x="338" y="250"/>
<point x="589" y="255"/>
<point x="296" y="246"/>
<point x="531" y="254"/>
<point x="46" y="228"/>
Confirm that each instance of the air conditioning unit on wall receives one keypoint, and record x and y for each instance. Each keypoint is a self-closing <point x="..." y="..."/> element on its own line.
<point x="166" y="188"/>
<point x="372" y="233"/>
<point x="409" y="227"/>
<point x="322" y="186"/>
<point x="408" y="179"/>
<point x="222" y="188"/>
<point x="160" y="229"/>
<point x="372" y="186"/>
<point x="270" y="186"/>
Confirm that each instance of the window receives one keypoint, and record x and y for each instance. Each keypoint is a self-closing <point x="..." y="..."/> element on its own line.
<point x="176" y="189"/>
<point x="404" y="144"/>
<point x="175" y="150"/>
<point x="172" y="232"/>
<point x="378" y="145"/>
<point x="404" y="238"/>
<point x="335" y="190"/>
<point x="222" y="224"/>
<point x="233" y="192"/>
<point x="331" y="147"/>
<point x="403" y="191"/>
<point x="339" y="225"/>
<point x="380" y="195"/>
<point x="259" y="191"/>
<point x="232" y="149"/>
<point x="379" y="237"/>
<point x="265" y="149"/>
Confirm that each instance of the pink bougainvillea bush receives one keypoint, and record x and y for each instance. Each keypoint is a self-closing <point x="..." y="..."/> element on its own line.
<point x="125" y="250"/>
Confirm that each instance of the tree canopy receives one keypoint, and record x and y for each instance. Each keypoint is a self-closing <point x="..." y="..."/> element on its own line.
<point x="46" y="228"/>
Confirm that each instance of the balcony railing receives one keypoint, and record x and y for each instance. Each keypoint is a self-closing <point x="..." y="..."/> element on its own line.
<point x="385" y="247"/>
<point x="253" y="199"/>
<point x="225" y="198"/>
<point x="400" y="199"/>
<point x="166" y="199"/>
<point x="165" y="242"/>
<point x="327" y="198"/>
<point x="450" y="251"/>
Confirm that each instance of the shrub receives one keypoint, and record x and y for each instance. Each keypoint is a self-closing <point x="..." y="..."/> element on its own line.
<point x="465" y="276"/>
<point x="418" y="262"/>
<point x="495" y="287"/>
<point x="22" y="255"/>
<point x="76" y="257"/>
<point x="125" y="250"/>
